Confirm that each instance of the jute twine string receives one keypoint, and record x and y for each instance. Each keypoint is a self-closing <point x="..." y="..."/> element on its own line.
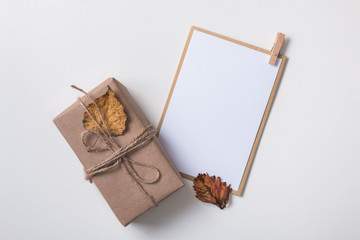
<point x="118" y="156"/>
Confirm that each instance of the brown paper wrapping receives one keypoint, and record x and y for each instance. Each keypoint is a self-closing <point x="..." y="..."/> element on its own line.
<point x="125" y="199"/>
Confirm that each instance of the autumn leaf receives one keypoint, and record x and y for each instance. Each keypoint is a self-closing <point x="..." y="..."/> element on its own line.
<point x="212" y="190"/>
<point x="112" y="112"/>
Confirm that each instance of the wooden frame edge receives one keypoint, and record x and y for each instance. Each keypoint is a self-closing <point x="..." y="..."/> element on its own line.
<point x="266" y="114"/>
<point x="175" y="79"/>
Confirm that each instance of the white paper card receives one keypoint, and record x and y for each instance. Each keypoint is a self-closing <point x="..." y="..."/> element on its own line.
<point x="216" y="107"/>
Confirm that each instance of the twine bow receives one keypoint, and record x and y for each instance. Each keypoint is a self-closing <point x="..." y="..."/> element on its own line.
<point x="119" y="154"/>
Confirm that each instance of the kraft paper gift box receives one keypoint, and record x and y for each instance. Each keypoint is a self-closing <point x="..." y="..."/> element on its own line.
<point x="125" y="194"/>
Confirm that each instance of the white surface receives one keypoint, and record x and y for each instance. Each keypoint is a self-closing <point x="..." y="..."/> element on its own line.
<point x="305" y="181"/>
<point x="216" y="107"/>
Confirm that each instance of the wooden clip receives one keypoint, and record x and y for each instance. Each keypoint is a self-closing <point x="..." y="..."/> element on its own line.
<point x="276" y="48"/>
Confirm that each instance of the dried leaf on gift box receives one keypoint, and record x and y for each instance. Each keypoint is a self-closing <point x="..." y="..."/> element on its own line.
<point x="212" y="190"/>
<point x="112" y="112"/>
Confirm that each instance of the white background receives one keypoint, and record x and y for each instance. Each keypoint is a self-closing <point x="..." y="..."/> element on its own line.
<point x="305" y="181"/>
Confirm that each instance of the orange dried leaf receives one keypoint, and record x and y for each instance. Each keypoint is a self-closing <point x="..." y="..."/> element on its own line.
<point x="112" y="112"/>
<point x="212" y="190"/>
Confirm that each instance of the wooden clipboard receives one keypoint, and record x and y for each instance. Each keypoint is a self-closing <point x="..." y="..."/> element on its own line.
<point x="241" y="187"/>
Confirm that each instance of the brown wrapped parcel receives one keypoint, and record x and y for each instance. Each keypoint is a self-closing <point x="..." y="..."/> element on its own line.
<point x="118" y="187"/>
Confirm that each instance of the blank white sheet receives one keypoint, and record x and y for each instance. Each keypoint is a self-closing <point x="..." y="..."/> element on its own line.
<point x="216" y="107"/>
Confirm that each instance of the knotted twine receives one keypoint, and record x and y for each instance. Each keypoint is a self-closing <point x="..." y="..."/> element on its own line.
<point x="119" y="154"/>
